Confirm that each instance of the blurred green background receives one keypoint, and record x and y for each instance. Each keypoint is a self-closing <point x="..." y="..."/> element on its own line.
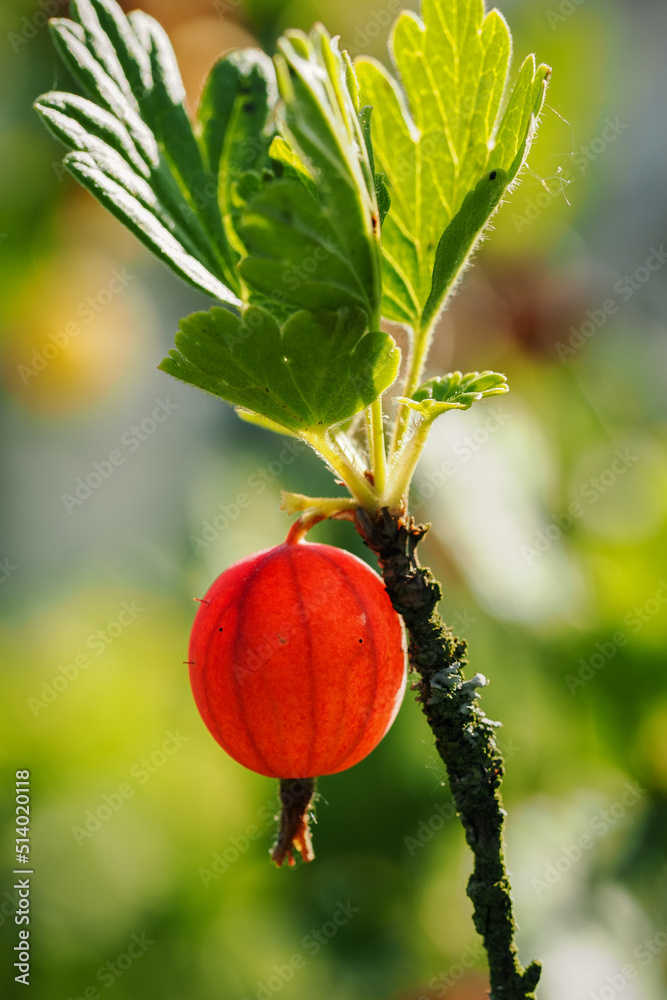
<point x="549" y="534"/>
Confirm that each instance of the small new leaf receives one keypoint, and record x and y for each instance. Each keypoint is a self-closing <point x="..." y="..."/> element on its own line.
<point x="454" y="392"/>
<point x="315" y="371"/>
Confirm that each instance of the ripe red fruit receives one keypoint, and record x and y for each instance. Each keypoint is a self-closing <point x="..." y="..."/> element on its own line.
<point x="297" y="661"/>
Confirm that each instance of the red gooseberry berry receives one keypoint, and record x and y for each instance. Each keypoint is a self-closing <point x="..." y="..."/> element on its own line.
<point x="297" y="662"/>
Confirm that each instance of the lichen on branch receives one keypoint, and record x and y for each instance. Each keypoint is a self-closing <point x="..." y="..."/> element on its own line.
<point x="464" y="738"/>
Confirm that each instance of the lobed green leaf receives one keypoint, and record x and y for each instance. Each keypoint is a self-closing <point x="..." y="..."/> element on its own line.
<point x="286" y="163"/>
<point x="136" y="150"/>
<point x="459" y="238"/>
<point x="436" y="136"/>
<point x="235" y="118"/>
<point x="315" y="371"/>
<point x="325" y="201"/>
<point x="295" y="252"/>
<point x="380" y="184"/>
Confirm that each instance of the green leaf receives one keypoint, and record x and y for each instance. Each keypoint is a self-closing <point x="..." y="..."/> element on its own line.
<point x="316" y="371"/>
<point x="460" y="237"/>
<point x="176" y="139"/>
<point x="295" y="253"/>
<point x="135" y="149"/>
<point x="286" y="163"/>
<point x="454" y="392"/>
<point x="131" y="203"/>
<point x="319" y="124"/>
<point x="437" y="136"/>
<point x="119" y="50"/>
<point x="234" y="116"/>
<point x="381" y="193"/>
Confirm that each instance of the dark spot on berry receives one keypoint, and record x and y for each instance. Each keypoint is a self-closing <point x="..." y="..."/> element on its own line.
<point x="493" y="175"/>
<point x="361" y="640"/>
<point x="221" y="630"/>
<point x="249" y="107"/>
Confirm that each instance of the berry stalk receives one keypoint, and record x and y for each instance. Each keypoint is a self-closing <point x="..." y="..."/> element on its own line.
<point x="464" y="738"/>
<point x="296" y="796"/>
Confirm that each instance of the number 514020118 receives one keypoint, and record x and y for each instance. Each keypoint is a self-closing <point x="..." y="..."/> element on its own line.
<point x="22" y="816"/>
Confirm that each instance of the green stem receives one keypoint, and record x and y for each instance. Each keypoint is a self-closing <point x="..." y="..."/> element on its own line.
<point x="294" y="503"/>
<point x="376" y="442"/>
<point x="347" y="472"/>
<point x="403" y="467"/>
<point x="421" y="342"/>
